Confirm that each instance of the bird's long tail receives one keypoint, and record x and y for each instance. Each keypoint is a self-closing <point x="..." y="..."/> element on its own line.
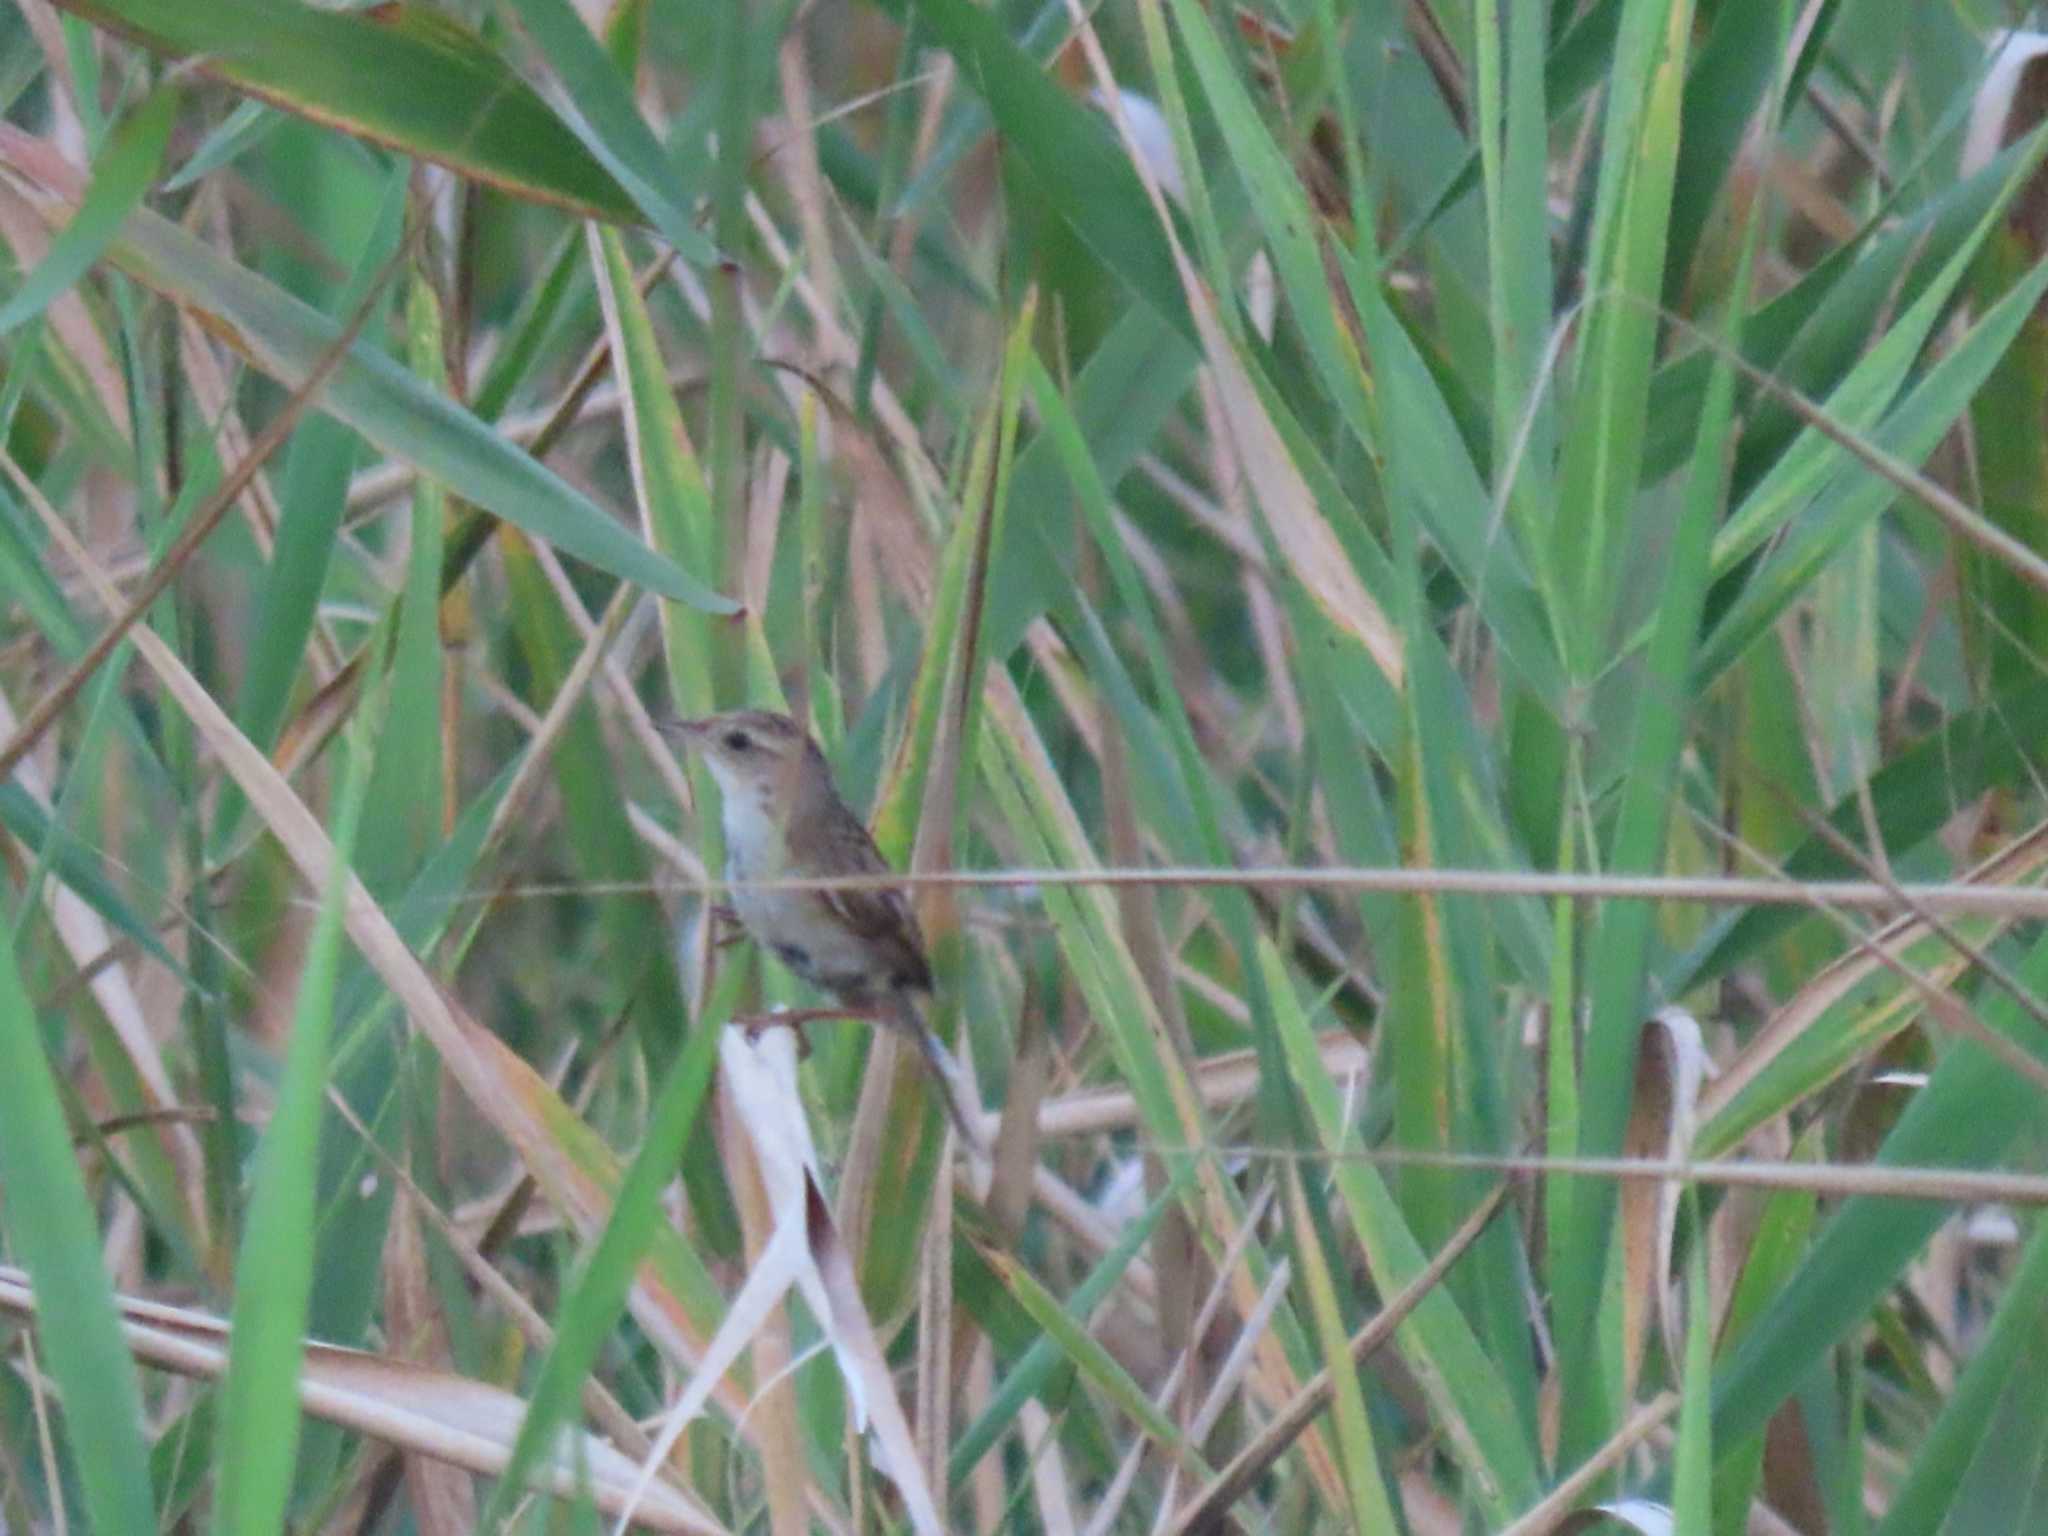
<point x="944" y="1070"/>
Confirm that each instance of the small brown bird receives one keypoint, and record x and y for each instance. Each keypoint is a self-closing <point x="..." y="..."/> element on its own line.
<point x="784" y="820"/>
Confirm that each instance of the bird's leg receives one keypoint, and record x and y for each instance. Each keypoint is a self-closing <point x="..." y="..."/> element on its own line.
<point x="753" y="1024"/>
<point x="861" y="1013"/>
<point x="726" y="929"/>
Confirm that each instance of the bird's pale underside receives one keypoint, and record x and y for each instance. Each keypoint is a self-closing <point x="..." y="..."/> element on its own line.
<point x="784" y="819"/>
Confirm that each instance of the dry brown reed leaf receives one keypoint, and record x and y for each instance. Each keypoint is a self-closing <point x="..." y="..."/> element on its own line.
<point x="443" y="1500"/>
<point x="1671" y="1065"/>
<point x="1884" y="949"/>
<point x="454" y="1420"/>
<point x="802" y="172"/>
<point x="1220" y="1081"/>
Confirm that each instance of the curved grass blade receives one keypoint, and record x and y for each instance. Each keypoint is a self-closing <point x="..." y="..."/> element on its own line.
<point x="1845" y="1021"/>
<point x="75" y="863"/>
<point x="391" y="407"/>
<point x="1123" y="396"/>
<point x="1065" y="150"/>
<point x="610" y="125"/>
<point x="1068" y="1332"/>
<point x="401" y="75"/>
<point x="122" y="173"/>
<point x="246" y="127"/>
<point x="1734" y="73"/>
<point x="1031" y="1374"/>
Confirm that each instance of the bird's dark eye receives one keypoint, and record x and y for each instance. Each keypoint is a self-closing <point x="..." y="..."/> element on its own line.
<point x="739" y="741"/>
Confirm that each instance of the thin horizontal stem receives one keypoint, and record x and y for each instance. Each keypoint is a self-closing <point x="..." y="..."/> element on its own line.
<point x="1957" y="1186"/>
<point x="1711" y="890"/>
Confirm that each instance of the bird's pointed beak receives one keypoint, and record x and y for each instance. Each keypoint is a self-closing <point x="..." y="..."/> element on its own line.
<point x="685" y="730"/>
